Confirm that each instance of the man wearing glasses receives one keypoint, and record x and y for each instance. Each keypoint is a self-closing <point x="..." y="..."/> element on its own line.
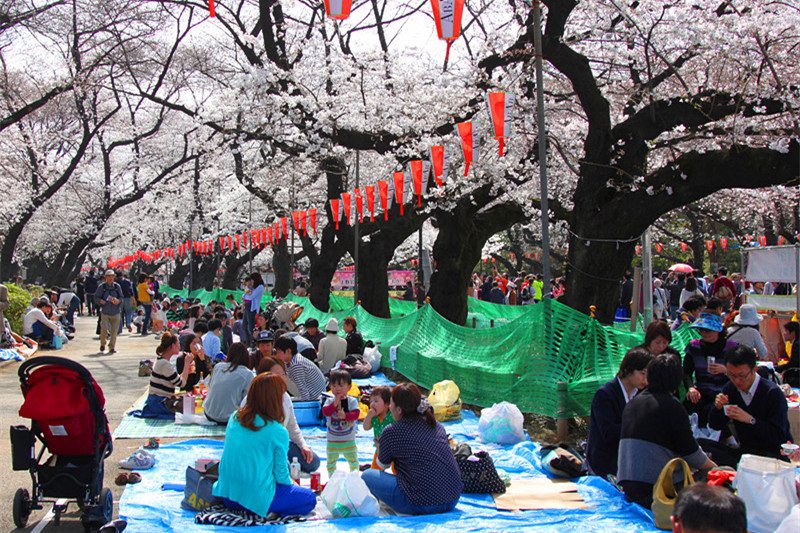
<point x="756" y="406"/>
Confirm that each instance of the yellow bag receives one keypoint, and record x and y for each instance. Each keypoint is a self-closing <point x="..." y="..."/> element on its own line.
<point x="664" y="493"/>
<point x="445" y="400"/>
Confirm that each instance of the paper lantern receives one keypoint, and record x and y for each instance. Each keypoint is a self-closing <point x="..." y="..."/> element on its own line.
<point x="470" y="137"/>
<point x="419" y="175"/>
<point x="338" y="9"/>
<point x="710" y="245"/>
<point x="335" y="211"/>
<point x="724" y="243"/>
<point x="447" y="14"/>
<point x="312" y="215"/>
<point x="501" y="113"/>
<point x="383" y="190"/>
<point x="303" y="223"/>
<point x="359" y="205"/>
<point x="440" y="158"/>
<point x="684" y="246"/>
<point x="399" y="184"/>
<point x="370" y="190"/>
<point x="212" y="12"/>
<point x="346" y="206"/>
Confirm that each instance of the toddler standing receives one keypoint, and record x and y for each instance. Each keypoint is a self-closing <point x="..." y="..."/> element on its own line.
<point x="342" y="413"/>
<point x="379" y="416"/>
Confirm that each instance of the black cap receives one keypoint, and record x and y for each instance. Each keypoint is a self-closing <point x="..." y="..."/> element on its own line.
<point x="265" y="336"/>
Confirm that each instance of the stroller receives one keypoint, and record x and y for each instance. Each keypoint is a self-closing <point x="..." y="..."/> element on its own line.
<point x="65" y="406"/>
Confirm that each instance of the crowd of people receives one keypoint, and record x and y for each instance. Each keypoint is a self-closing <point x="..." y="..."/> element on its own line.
<point x="523" y="289"/>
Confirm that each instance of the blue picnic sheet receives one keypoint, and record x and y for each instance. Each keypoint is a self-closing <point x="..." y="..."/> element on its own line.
<point x="148" y="508"/>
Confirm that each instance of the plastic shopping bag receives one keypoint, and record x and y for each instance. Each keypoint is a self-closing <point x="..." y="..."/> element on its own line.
<point x="767" y="487"/>
<point x="373" y="357"/>
<point x="346" y="495"/>
<point x="445" y="400"/>
<point x="502" y="423"/>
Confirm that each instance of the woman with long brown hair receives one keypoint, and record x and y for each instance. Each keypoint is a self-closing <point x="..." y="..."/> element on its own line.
<point x="253" y="472"/>
<point x="428" y="480"/>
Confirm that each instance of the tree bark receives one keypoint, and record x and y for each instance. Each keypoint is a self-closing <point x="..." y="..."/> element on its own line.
<point x="281" y="263"/>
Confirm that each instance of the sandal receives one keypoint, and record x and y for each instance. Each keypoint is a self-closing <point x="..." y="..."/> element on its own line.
<point x="152" y="444"/>
<point x="125" y="478"/>
<point x="134" y="477"/>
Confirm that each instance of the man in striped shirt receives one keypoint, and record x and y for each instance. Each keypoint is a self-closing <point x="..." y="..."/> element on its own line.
<point x="306" y="376"/>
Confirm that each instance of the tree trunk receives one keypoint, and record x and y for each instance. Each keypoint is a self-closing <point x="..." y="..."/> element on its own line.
<point x="233" y="266"/>
<point x="179" y="274"/>
<point x="283" y="269"/>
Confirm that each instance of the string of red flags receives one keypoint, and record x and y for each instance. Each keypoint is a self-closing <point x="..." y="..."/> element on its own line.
<point x="470" y="138"/>
<point x="501" y="113"/>
<point x="447" y="14"/>
<point x="338" y="9"/>
<point x="312" y="218"/>
<point x="212" y="12"/>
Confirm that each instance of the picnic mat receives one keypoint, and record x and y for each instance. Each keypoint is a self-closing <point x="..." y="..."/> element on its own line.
<point x="147" y="508"/>
<point x="131" y="427"/>
<point x="540" y="493"/>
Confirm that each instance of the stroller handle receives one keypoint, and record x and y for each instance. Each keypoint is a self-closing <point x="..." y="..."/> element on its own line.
<point x="27" y="367"/>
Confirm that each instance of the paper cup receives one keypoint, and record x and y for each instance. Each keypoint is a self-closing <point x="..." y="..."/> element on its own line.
<point x="727" y="409"/>
<point x="710" y="360"/>
<point x="789" y="448"/>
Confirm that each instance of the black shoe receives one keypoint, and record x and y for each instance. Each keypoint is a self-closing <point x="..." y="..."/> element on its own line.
<point x="365" y="467"/>
<point x="70" y="337"/>
<point x="115" y="526"/>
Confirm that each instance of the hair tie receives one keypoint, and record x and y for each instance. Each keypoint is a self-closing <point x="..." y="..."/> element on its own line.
<point x="423" y="406"/>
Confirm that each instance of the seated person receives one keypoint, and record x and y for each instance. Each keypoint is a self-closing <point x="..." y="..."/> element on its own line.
<point x="689" y="311"/>
<point x="606" y="413"/>
<point x="703" y="366"/>
<point x="655" y="430"/>
<point x="657" y="338"/>
<point x="228" y="384"/>
<point x="756" y="406"/>
<point x="264" y="342"/>
<point x="212" y="344"/>
<point x="159" y="316"/>
<point x="791" y="369"/>
<point x="164" y="379"/>
<point x="226" y="335"/>
<point x="191" y="344"/>
<point x="173" y="314"/>
<point x="303" y="373"/>
<point x="428" y="479"/>
<point x="714" y="306"/>
<point x="355" y="342"/>
<point x="745" y="330"/>
<point x="332" y="348"/>
<point x="304" y="346"/>
<point x="702" y="507"/>
<point x="36" y="324"/>
<point x="253" y="472"/>
<point x="312" y="332"/>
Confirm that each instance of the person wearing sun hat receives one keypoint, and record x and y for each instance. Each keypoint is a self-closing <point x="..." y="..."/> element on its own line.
<point x="332" y="348"/>
<point x="745" y="330"/>
<point x="704" y="372"/>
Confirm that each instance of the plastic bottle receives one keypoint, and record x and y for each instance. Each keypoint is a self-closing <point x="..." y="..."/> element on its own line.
<point x="294" y="470"/>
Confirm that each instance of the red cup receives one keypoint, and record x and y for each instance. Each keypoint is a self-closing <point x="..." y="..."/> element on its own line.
<point x="315" y="482"/>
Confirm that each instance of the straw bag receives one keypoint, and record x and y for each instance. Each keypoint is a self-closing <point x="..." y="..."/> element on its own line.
<point x="664" y="493"/>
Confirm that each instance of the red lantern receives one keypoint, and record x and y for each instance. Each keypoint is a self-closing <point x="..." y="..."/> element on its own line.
<point x="338" y="9"/>
<point x="346" y="206"/>
<point x="447" y="14"/>
<point x="335" y="211"/>
<point x="419" y="175"/>
<point x="485" y="260"/>
<point x="370" y="201"/>
<point x="501" y="112"/>
<point x="383" y="189"/>
<point x="470" y="137"/>
<point x="440" y="156"/>
<point x="724" y="243"/>
<point x="399" y="184"/>
<point x="312" y="215"/>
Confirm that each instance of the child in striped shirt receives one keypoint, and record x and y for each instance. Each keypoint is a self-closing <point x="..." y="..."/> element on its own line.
<point x="164" y="379"/>
<point x="342" y="413"/>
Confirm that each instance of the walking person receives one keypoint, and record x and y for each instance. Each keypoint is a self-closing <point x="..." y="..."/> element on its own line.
<point x="145" y="297"/>
<point x="108" y="299"/>
<point x="90" y="286"/>
<point x="252" y="304"/>
<point x="127" y="302"/>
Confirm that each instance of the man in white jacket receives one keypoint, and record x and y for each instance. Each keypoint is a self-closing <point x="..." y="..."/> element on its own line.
<point x="38" y="326"/>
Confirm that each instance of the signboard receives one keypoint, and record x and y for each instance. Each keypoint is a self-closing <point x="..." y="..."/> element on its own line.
<point x="345" y="279"/>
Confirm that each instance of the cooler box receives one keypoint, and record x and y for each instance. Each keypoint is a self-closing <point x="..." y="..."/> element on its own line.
<point x="308" y="413"/>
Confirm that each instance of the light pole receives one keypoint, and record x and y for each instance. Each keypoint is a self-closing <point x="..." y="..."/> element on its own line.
<point x="356" y="228"/>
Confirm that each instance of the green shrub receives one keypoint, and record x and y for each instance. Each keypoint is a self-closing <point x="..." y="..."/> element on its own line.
<point x="19" y="300"/>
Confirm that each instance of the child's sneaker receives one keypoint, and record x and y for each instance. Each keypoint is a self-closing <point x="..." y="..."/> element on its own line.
<point x="138" y="461"/>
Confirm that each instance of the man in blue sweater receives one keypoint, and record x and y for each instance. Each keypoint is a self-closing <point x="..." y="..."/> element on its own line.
<point x="756" y="406"/>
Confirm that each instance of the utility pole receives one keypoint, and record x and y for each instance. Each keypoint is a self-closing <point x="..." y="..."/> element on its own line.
<point x="537" y="39"/>
<point x="356" y="231"/>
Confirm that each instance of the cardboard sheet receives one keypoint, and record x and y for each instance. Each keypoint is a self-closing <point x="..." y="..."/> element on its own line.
<point x="540" y="493"/>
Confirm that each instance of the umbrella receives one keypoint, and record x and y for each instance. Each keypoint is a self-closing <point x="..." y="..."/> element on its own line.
<point x="682" y="267"/>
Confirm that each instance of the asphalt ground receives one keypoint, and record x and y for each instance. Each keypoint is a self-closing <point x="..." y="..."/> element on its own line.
<point x="117" y="376"/>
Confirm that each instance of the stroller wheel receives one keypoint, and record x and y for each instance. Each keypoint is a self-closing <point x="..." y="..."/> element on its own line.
<point x="22" y="507"/>
<point x="107" y="503"/>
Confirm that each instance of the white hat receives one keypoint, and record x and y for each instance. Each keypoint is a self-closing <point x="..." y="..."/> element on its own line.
<point x="748" y="316"/>
<point x="332" y="326"/>
<point x="110" y="272"/>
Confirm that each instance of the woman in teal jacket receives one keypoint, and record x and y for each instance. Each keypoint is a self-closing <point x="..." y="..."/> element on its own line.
<point x="253" y="472"/>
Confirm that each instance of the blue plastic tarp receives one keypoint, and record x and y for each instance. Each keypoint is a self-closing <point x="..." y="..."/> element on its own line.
<point x="147" y="508"/>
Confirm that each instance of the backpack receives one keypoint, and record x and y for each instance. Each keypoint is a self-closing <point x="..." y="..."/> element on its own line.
<point x="526" y="293"/>
<point x="724" y="293"/>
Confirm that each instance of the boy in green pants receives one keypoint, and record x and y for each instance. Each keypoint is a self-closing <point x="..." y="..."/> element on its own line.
<point x="342" y="413"/>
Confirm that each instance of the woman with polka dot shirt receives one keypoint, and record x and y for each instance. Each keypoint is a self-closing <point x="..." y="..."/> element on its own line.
<point x="428" y="480"/>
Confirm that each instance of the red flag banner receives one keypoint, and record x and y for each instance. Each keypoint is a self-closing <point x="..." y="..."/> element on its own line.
<point x="399" y="183"/>
<point x="312" y="216"/>
<point x="283" y="225"/>
<point x="269" y="235"/>
<point x="419" y="176"/>
<point x="447" y="14"/>
<point x="244" y="239"/>
<point x="659" y="247"/>
<point x="440" y="156"/>
<point x="383" y="190"/>
<point x="781" y="240"/>
<point x="212" y="12"/>
<point x="296" y="220"/>
<point x="710" y="245"/>
<point x="638" y="249"/>
<point x="370" y="190"/>
<point x="335" y="211"/>
<point x="238" y="242"/>
<point x="724" y="243"/>
<point x="501" y="113"/>
<point x="277" y="229"/>
<point x="470" y="137"/>
<point x="684" y="246"/>
<point x="359" y="205"/>
<point x="303" y="223"/>
<point x="346" y="206"/>
<point x="762" y="240"/>
<point x="222" y="244"/>
<point x="230" y="243"/>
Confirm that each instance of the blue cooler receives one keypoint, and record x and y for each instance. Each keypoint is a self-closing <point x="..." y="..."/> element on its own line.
<point x="308" y="413"/>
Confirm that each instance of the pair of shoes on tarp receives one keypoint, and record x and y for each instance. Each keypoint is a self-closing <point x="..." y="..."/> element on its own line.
<point x="141" y="459"/>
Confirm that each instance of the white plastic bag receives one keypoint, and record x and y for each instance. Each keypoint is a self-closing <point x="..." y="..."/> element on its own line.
<point x="200" y="419"/>
<point x="767" y="487"/>
<point x="502" y="423"/>
<point x="373" y="357"/>
<point x="347" y="495"/>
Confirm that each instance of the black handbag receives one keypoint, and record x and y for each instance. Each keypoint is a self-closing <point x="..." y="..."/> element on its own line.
<point x="197" y="494"/>
<point x="479" y="474"/>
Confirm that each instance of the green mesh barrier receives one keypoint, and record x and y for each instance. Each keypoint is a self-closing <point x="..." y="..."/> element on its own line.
<point x="206" y="296"/>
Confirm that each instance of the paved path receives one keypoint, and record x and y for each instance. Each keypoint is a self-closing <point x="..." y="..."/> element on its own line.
<point x="117" y="376"/>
